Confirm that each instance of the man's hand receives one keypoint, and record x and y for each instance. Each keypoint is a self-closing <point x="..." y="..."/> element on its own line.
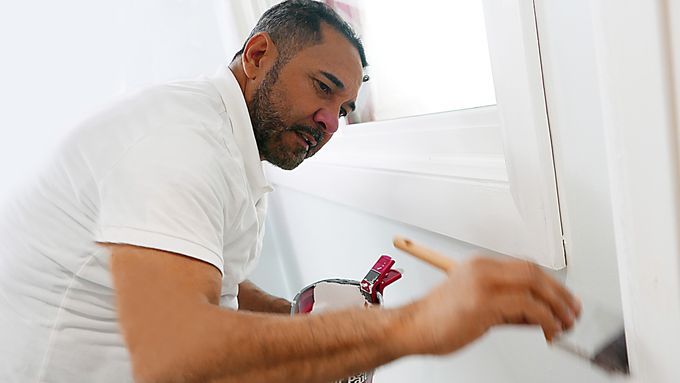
<point x="252" y="298"/>
<point x="485" y="292"/>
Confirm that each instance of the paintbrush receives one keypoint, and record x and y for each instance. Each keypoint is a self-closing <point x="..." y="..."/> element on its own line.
<point x="597" y="336"/>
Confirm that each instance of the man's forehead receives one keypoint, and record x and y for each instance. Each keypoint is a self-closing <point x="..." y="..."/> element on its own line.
<point x="336" y="56"/>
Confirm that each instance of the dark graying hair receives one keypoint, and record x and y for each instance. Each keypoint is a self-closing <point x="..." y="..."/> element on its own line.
<point x="296" y="24"/>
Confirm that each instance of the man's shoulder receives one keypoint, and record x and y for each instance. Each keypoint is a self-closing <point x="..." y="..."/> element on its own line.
<point x="184" y="116"/>
<point x="178" y="105"/>
<point x="182" y="96"/>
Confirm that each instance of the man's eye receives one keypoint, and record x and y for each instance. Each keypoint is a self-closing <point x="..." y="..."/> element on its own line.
<point x="324" y="88"/>
<point x="343" y="112"/>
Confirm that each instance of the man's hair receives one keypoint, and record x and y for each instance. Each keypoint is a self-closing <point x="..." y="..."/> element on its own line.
<point x="296" y="24"/>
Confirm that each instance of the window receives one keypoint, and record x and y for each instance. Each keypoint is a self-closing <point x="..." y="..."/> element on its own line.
<point x="483" y="175"/>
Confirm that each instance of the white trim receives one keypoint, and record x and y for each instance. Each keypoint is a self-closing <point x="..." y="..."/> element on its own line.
<point x="481" y="169"/>
<point x="462" y="144"/>
<point x="483" y="176"/>
<point x="639" y="95"/>
<point x="516" y="64"/>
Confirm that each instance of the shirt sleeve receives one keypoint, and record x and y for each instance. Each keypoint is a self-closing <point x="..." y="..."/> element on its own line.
<point x="167" y="192"/>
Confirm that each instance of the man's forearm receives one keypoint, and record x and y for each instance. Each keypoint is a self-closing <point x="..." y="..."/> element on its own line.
<point x="252" y="298"/>
<point x="227" y="346"/>
<point x="321" y="348"/>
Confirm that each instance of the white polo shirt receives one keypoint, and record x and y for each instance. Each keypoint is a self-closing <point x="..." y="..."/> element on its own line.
<point x="173" y="167"/>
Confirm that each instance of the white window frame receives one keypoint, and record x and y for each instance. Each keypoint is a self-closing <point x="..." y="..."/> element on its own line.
<point x="495" y="187"/>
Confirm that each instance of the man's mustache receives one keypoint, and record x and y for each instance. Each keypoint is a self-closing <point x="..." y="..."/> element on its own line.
<point x="316" y="133"/>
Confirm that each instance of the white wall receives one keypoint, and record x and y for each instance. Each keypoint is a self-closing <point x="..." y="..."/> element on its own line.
<point x="62" y="59"/>
<point x="316" y="239"/>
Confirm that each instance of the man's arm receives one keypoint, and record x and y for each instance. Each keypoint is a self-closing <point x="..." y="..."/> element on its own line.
<point x="252" y="298"/>
<point x="175" y="332"/>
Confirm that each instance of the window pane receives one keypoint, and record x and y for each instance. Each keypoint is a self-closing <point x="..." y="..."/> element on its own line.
<point x="424" y="56"/>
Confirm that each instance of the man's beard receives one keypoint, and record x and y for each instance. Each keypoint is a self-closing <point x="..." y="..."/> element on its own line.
<point x="269" y="127"/>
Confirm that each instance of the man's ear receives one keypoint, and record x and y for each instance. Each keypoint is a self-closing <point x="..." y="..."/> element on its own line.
<point x="258" y="54"/>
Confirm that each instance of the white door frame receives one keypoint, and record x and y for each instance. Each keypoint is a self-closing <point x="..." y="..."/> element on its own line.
<point x="638" y="59"/>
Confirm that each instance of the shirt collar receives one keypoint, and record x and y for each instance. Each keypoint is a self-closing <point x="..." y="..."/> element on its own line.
<point x="237" y="110"/>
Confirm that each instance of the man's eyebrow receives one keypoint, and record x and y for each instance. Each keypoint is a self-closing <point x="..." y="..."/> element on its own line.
<point x="353" y="106"/>
<point x="334" y="80"/>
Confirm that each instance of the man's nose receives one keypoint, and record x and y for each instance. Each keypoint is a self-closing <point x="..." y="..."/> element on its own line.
<point x="327" y="120"/>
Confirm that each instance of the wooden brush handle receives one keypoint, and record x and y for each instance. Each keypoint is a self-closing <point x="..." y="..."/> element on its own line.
<point x="430" y="256"/>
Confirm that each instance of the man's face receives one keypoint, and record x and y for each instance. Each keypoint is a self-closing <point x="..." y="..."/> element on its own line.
<point x="296" y="107"/>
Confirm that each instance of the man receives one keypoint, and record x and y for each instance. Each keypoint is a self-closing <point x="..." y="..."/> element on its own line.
<point x="128" y="258"/>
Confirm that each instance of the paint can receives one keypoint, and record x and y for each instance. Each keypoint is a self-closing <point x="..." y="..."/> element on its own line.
<point x="332" y="295"/>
